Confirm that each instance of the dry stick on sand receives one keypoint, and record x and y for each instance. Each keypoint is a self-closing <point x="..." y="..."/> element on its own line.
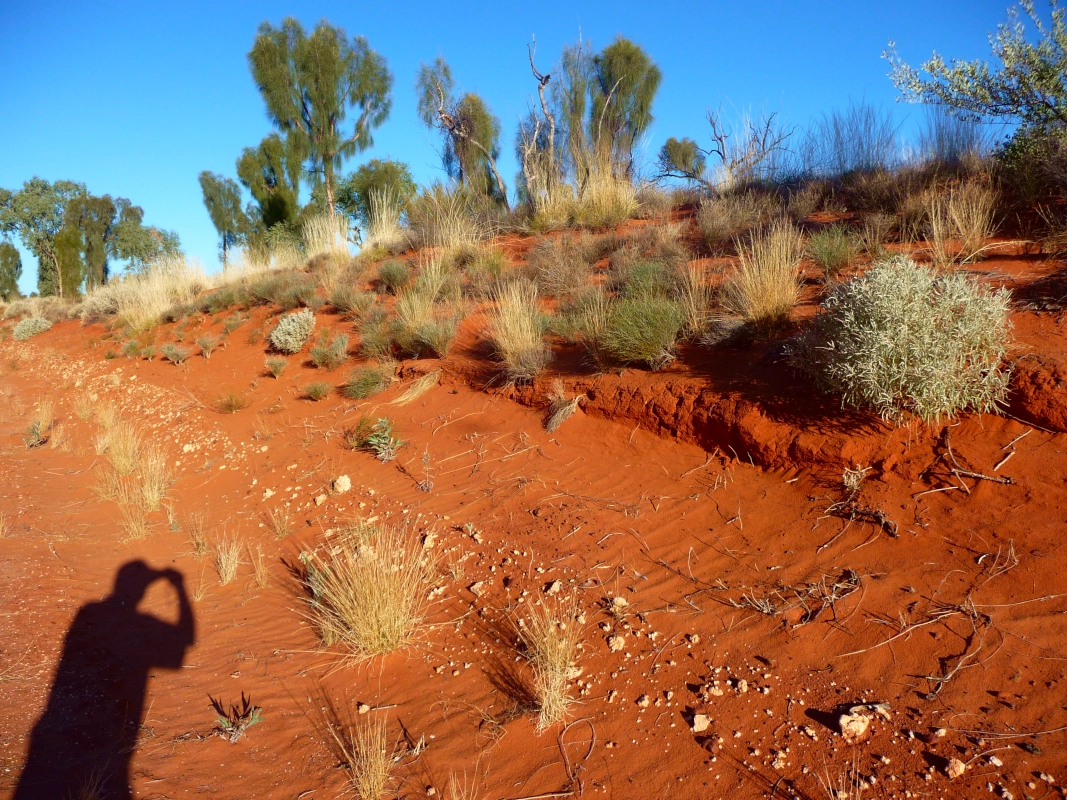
<point x="418" y="388"/>
<point x="560" y="408"/>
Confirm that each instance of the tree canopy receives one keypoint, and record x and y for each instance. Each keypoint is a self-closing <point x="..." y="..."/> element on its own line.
<point x="222" y="198"/>
<point x="354" y="191"/>
<point x="10" y="271"/>
<point x="309" y="85"/>
<point x="1028" y="86"/>
<point x="35" y="214"/>
<point x="624" y="83"/>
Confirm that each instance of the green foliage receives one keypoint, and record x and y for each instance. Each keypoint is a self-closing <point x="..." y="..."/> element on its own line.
<point x="30" y="326"/>
<point x="132" y="241"/>
<point x="330" y="353"/>
<point x="35" y="213"/>
<point x="377" y="175"/>
<point x="309" y="85"/>
<point x="682" y="158"/>
<point x="643" y="329"/>
<point x="904" y="339"/>
<point x="292" y="331"/>
<point x="394" y="275"/>
<point x="10" y="271"/>
<point x="222" y="198"/>
<point x="376" y="335"/>
<point x="318" y="390"/>
<point x="131" y="349"/>
<point x="353" y="303"/>
<point x="271" y="172"/>
<point x="207" y="343"/>
<point x="832" y="249"/>
<point x="366" y="382"/>
<point x="624" y="84"/>
<point x="95" y="218"/>
<point x="276" y="365"/>
<point x="382" y="441"/>
<point x="174" y="353"/>
<point x="1029" y="86"/>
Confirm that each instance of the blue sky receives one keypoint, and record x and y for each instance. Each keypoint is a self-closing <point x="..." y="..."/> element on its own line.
<point x="135" y="99"/>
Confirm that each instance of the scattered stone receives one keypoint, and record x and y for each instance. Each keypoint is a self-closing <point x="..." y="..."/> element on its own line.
<point x="429" y="540"/>
<point x="1046" y="777"/>
<point x="643" y="701"/>
<point x="554" y="588"/>
<point x="363" y="708"/>
<point x="341" y="485"/>
<point x="810" y="733"/>
<point x="693" y="638"/>
<point x="701" y="722"/>
<point x="268" y="493"/>
<point x="320" y="499"/>
<point x="741" y="686"/>
<point x="955" y="768"/>
<point x="853" y="726"/>
<point x="476" y="588"/>
<point x="995" y="762"/>
<point x="616" y="643"/>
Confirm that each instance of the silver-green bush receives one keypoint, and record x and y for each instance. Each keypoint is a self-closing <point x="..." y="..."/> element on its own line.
<point x="31" y="326"/>
<point x="643" y="329"/>
<point x="903" y="338"/>
<point x="293" y="331"/>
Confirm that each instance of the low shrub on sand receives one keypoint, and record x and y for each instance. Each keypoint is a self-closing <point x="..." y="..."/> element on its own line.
<point x="517" y="331"/>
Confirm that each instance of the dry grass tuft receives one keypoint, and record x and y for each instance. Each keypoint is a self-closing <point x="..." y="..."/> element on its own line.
<point x="325" y="234"/>
<point x="277" y="520"/>
<point x="155" y="478"/>
<point x="766" y="284"/>
<point x="365" y="750"/>
<point x="197" y="533"/>
<point x="517" y="330"/>
<point x="560" y="408"/>
<point x="260" y="570"/>
<point x="550" y="636"/>
<point x="228" y="558"/>
<point x="4" y="531"/>
<point x="368" y="590"/>
<point x="419" y="387"/>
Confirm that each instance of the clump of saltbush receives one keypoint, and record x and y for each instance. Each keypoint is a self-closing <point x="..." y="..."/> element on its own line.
<point x="903" y="338"/>
<point x="293" y="331"/>
<point x="30" y="326"/>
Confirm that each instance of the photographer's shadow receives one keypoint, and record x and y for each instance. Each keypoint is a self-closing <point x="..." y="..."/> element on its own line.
<point x="85" y="737"/>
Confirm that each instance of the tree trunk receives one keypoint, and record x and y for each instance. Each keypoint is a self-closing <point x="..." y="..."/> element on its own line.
<point x="496" y="173"/>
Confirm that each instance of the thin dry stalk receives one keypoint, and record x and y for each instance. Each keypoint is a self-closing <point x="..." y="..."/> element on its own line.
<point x="59" y="439"/>
<point x="3" y="526"/>
<point x="560" y="408"/>
<point x="228" y="558"/>
<point x="460" y="789"/>
<point x="155" y="479"/>
<point x="122" y="446"/>
<point x="696" y="298"/>
<point x="197" y="535"/>
<point x="133" y="510"/>
<point x="972" y="208"/>
<point x="550" y="636"/>
<point x="365" y="750"/>
<point x="277" y="520"/>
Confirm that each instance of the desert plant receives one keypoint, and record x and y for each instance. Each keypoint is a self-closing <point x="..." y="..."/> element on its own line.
<point x="549" y="635"/>
<point x="368" y="590"/>
<point x="197" y="534"/>
<point x="439" y="217"/>
<point x="365" y="750"/>
<point x="560" y="407"/>
<point x="31" y="326"/>
<point x="276" y="365"/>
<point x="695" y="296"/>
<point x="234" y="721"/>
<point x="394" y="275"/>
<point x="131" y="348"/>
<point x="174" y="353"/>
<point x="352" y="303"/>
<point x="766" y="283"/>
<point x="368" y="381"/>
<point x="422" y="324"/>
<point x="293" y="331"/>
<point x="643" y="329"/>
<point x="122" y="443"/>
<point x="232" y="323"/>
<point x="517" y="331"/>
<point x="972" y="207"/>
<point x="559" y="265"/>
<point x="260" y="569"/>
<point x="382" y="441"/>
<point x="277" y="520"/>
<point x="832" y="249"/>
<point x="584" y="320"/>
<point x="904" y="339"/>
<point x="228" y="558"/>
<point x="330" y="352"/>
<point x="725" y="218"/>
<point x="325" y="234"/>
<point x="318" y="390"/>
<point x="155" y="477"/>
<point x="207" y="343"/>
<point x="231" y="403"/>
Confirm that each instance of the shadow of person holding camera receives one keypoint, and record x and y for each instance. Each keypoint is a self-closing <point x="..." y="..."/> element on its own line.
<point x="82" y="743"/>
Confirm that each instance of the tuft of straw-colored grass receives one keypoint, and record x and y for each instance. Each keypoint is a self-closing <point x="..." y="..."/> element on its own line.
<point x="549" y="634"/>
<point x="560" y="408"/>
<point x="197" y="533"/>
<point x="384" y="207"/>
<point x="765" y="286"/>
<point x="325" y="234"/>
<point x="695" y="297"/>
<point x="133" y="510"/>
<point x="972" y="207"/>
<point x="418" y="388"/>
<point x="368" y="592"/>
<point x="83" y="407"/>
<point x="277" y="520"/>
<point x="228" y="558"/>
<point x="365" y="750"/>
<point x="260" y="569"/>
<point x="120" y="441"/>
<point x="155" y="478"/>
<point x="517" y="330"/>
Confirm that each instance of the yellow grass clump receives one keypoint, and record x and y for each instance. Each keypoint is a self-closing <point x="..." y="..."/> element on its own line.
<point x="516" y="329"/>
<point x="766" y="283"/>
<point x="549" y="634"/>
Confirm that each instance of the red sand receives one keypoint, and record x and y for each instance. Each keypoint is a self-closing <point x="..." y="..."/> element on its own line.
<point x="699" y="494"/>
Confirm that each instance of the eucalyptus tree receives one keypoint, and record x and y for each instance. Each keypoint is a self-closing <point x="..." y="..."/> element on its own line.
<point x="139" y="244"/>
<point x="35" y="214"/>
<point x="222" y="198"/>
<point x="95" y="219"/>
<point x="384" y="177"/>
<point x="311" y="83"/>
<point x="271" y="171"/>
<point x="470" y="130"/>
<point x="624" y="84"/>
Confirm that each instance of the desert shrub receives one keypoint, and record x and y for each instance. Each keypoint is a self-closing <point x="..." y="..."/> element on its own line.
<point x="484" y="271"/>
<point x="276" y="365"/>
<point x="232" y="323"/>
<point x="131" y="348"/>
<point x="558" y="265"/>
<point x="725" y="218"/>
<point x="605" y="202"/>
<point x="207" y="343"/>
<point x="142" y="299"/>
<point x="330" y="352"/>
<point x="805" y="200"/>
<point x="325" y="235"/>
<point x="368" y="590"/>
<point x="394" y="275"/>
<point x="695" y="296"/>
<point x="517" y="331"/>
<point x="877" y="229"/>
<point x="422" y="325"/>
<point x="368" y="381"/>
<point x="31" y="326"/>
<point x="231" y="403"/>
<point x="382" y="440"/>
<point x="766" y="283"/>
<point x="376" y="335"/>
<point x="659" y="243"/>
<point x="832" y="249"/>
<point x="292" y="331"/>
<point x="440" y="217"/>
<point x="174" y="353"/>
<point x="643" y="329"/>
<point x="353" y="303"/>
<point x="583" y="320"/>
<point x="317" y="391"/>
<point x="219" y="300"/>
<point x="904" y="339"/>
<point x="654" y="202"/>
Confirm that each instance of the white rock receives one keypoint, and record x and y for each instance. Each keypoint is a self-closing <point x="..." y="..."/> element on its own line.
<point x="701" y="722"/>
<point x="616" y="643"/>
<point x="955" y="768"/>
<point x="643" y="701"/>
<point x="342" y="484"/>
<point x="853" y="726"/>
<point x="268" y="493"/>
<point x="320" y="499"/>
<point x="554" y="587"/>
